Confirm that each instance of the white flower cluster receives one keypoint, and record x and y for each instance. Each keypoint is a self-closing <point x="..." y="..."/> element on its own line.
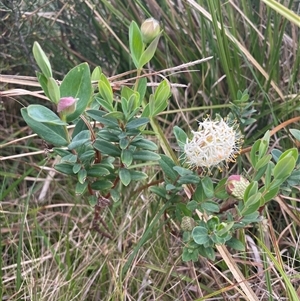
<point x="215" y="141"/>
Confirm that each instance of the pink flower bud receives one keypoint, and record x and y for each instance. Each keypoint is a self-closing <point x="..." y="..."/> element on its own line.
<point x="236" y="186"/>
<point x="66" y="105"/>
<point x="150" y="30"/>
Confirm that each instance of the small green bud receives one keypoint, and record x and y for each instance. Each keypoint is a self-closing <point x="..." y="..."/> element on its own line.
<point x="66" y="105"/>
<point x="236" y="186"/>
<point x="187" y="223"/>
<point x="150" y="29"/>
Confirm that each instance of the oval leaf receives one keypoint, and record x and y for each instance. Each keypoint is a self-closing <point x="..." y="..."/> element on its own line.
<point x="145" y="155"/>
<point x="107" y="148"/>
<point x="41" y="59"/>
<point x="105" y="89"/>
<point x="148" y="54"/>
<point x="200" y="235"/>
<point x="136" y="44"/>
<point x="136" y="123"/>
<point x="43" y="114"/>
<point x="53" y="134"/>
<point x="284" y="167"/>
<point x="125" y="176"/>
<point x="77" y="84"/>
<point x="53" y="90"/>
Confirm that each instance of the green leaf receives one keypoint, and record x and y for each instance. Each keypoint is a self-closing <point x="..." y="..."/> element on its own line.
<point x="136" y="44"/>
<point x="210" y="207"/>
<point x="102" y="185"/>
<point x="77" y="84"/>
<point x="251" y="204"/>
<point x="80" y="139"/>
<point x="183" y="171"/>
<point x="115" y="115"/>
<point x="161" y="95"/>
<point x="268" y="173"/>
<point x="126" y="157"/>
<point x="235" y="244"/>
<point x="127" y="92"/>
<point x="146" y="112"/>
<point x="99" y="116"/>
<point x="220" y="190"/>
<point x="199" y="194"/>
<point x="80" y="126"/>
<point x="148" y="54"/>
<point x="260" y="173"/>
<point x="137" y="175"/>
<point x="107" y="148"/>
<point x="137" y="122"/>
<point x="125" y="176"/>
<point x="254" y="153"/>
<point x="61" y="152"/>
<point x="41" y="59"/>
<point x="210" y="253"/>
<point x="200" y="235"/>
<point x="263" y="161"/>
<point x="189" y="254"/>
<point x="115" y="195"/>
<point x="263" y="147"/>
<point x="96" y="74"/>
<point x="144" y="144"/>
<point x="105" y="89"/>
<point x="251" y="190"/>
<point x="293" y="152"/>
<point x="213" y="222"/>
<point x="295" y="133"/>
<point x="97" y="170"/>
<point x="76" y="168"/>
<point x="145" y="155"/>
<point x="82" y="176"/>
<point x="123" y="143"/>
<point x="167" y="165"/>
<point x="189" y="179"/>
<point x="224" y="228"/>
<point x="208" y="187"/>
<point x="53" y="134"/>
<point x="180" y="136"/>
<point x="160" y="191"/>
<point x="163" y="91"/>
<point x="69" y="158"/>
<point x="251" y="218"/>
<point x="65" y="168"/>
<point x="87" y="156"/>
<point x="142" y="88"/>
<point x="92" y="200"/>
<point x="80" y="188"/>
<point x="284" y="167"/>
<point x="276" y="153"/>
<point x="43" y="81"/>
<point x="192" y="205"/>
<point x="53" y="90"/>
<point x="270" y="194"/>
<point x="42" y="114"/>
<point x="105" y="104"/>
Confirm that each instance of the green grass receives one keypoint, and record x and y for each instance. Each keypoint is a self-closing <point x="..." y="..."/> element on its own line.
<point x="48" y="251"/>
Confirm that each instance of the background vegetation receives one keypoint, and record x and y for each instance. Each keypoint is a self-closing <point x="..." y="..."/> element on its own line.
<point x="48" y="251"/>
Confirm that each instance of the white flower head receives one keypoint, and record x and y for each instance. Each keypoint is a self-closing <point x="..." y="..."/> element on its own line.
<point x="214" y="144"/>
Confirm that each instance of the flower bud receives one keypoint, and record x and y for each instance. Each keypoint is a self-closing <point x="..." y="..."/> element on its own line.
<point x="236" y="186"/>
<point x="150" y="30"/>
<point x="187" y="223"/>
<point x="66" y="105"/>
